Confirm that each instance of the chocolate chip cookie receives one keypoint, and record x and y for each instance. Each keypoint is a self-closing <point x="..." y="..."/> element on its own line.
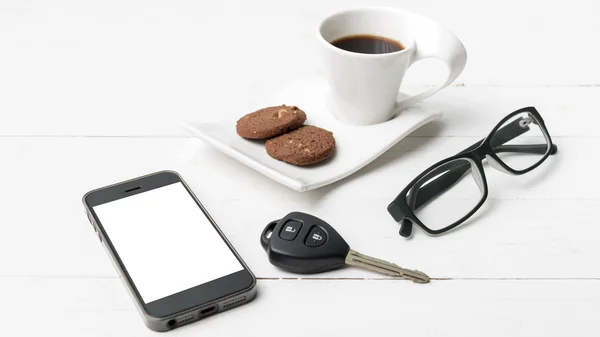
<point x="270" y="122"/>
<point x="303" y="146"/>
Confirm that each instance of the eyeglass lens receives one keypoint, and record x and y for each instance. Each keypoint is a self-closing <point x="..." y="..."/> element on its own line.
<point x="520" y="142"/>
<point x="446" y="193"/>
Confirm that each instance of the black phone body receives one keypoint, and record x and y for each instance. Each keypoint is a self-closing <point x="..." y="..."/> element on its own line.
<point x="176" y="263"/>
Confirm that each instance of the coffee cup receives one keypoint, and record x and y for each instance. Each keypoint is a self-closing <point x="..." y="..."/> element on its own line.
<point x="366" y="52"/>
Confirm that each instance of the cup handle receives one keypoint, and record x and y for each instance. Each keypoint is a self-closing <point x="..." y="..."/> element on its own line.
<point x="434" y="41"/>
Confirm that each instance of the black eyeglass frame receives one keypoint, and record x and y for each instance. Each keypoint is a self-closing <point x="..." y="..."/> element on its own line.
<point x="400" y="209"/>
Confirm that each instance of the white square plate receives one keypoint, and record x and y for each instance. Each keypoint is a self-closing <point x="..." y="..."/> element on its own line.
<point x="356" y="146"/>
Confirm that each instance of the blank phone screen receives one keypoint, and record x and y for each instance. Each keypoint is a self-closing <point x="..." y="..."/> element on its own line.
<point x="165" y="241"/>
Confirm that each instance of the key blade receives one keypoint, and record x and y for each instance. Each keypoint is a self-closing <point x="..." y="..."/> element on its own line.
<point x="357" y="259"/>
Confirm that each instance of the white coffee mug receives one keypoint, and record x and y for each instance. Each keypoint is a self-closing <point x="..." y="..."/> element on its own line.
<point x="364" y="88"/>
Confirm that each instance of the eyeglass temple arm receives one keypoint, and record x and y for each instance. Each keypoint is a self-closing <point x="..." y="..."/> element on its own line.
<point x="455" y="173"/>
<point x="508" y="133"/>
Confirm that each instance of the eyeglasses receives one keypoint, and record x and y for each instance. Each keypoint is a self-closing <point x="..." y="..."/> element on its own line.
<point x="452" y="190"/>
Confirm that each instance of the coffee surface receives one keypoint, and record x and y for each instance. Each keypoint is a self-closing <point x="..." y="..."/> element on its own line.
<point x="368" y="44"/>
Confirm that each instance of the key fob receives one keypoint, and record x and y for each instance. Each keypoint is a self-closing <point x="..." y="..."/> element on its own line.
<point x="303" y="244"/>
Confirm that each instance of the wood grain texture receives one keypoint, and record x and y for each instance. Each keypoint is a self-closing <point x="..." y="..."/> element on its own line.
<point x="94" y="92"/>
<point x="468" y="111"/>
<point x="101" y="307"/>
<point x="530" y="225"/>
<point x="512" y="43"/>
<point x="141" y="68"/>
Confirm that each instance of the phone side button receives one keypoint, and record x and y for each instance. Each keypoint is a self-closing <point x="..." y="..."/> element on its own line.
<point x="99" y="237"/>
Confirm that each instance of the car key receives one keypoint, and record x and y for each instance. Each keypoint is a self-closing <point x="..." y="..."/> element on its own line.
<point x="304" y="244"/>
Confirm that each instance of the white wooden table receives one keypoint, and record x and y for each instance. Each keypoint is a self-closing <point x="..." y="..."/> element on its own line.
<point x="93" y="92"/>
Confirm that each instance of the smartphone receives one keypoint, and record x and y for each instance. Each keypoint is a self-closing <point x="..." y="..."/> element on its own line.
<point x="175" y="261"/>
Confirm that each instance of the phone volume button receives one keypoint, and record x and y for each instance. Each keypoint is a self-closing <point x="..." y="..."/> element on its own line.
<point x="89" y="215"/>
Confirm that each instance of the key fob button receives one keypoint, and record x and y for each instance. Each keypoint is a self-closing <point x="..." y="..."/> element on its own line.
<point x="290" y="230"/>
<point x="316" y="237"/>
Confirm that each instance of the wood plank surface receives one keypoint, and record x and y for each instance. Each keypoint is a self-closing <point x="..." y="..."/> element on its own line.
<point x="141" y="68"/>
<point x="530" y="225"/>
<point x="101" y="307"/>
<point x="95" y="92"/>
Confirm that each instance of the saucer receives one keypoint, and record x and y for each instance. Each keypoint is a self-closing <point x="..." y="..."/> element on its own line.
<point x="356" y="146"/>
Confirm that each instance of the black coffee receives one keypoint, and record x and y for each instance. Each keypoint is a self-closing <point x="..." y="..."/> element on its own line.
<point x="368" y="44"/>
